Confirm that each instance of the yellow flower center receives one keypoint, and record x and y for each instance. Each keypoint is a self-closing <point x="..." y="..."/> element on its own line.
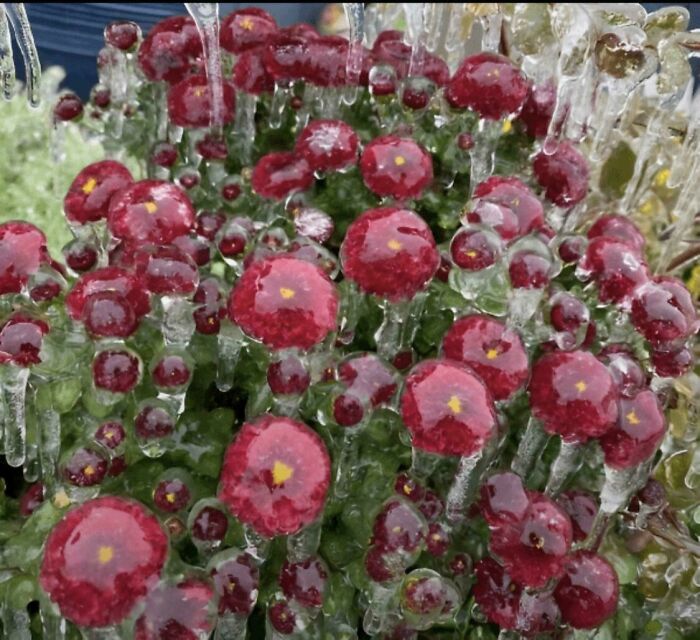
<point x="492" y="354"/>
<point x="199" y="92"/>
<point x="632" y="418"/>
<point x="396" y="529"/>
<point x="170" y="497"/>
<point x="247" y="24"/>
<point x="89" y="470"/>
<point x="105" y="554"/>
<point x="507" y="126"/>
<point x="399" y="161"/>
<point x="581" y="386"/>
<point x="281" y="473"/>
<point x="89" y="186"/>
<point x="286" y="293"/>
<point x="61" y="499"/>
<point x="662" y="177"/>
<point x="407" y="490"/>
<point x="394" y="245"/>
<point x="455" y="405"/>
<point x="151" y="206"/>
<point x="231" y="586"/>
<point x="471" y="254"/>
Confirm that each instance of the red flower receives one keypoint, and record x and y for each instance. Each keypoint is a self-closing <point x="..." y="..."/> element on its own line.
<point x="489" y="84"/>
<point x="250" y="74"/>
<point x="305" y="581"/>
<point x="275" y="475"/>
<point x="574" y="395"/>
<point x="504" y="499"/>
<point x="582" y="508"/>
<point x="288" y="376"/>
<point x="22" y="249"/>
<point x="563" y="175"/>
<point x="493" y="351"/>
<point x="236" y="580"/>
<point x="101" y="559"/>
<point x="170" y="50"/>
<point x="189" y="102"/>
<point x="116" y="371"/>
<point x="284" y="302"/>
<point x="21" y="338"/>
<point x="447" y="409"/>
<point x="389" y="252"/>
<point x="285" y="59"/>
<point x="328" y="145"/>
<point x="391" y="50"/>
<point x="150" y="211"/>
<point x="399" y="527"/>
<point x="109" y="315"/>
<point x="177" y="612"/>
<point x="368" y="378"/>
<point x="671" y="361"/>
<point x="276" y="175"/>
<point x="537" y="111"/>
<point x="496" y="594"/>
<point x="620" y="228"/>
<point x="529" y="270"/>
<point x="90" y="193"/>
<point x="122" y="35"/>
<point x="105" y="281"/>
<point x="166" y="270"/>
<point x="474" y="249"/>
<point x="247" y="29"/>
<point x="396" y="167"/>
<point x="85" y="468"/>
<point x="326" y="61"/>
<point x="31" y="499"/>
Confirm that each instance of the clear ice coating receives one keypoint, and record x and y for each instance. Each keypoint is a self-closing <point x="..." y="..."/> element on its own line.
<point x="14" y="390"/>
<point x="355" y="14"/>
<point x="16" y="15"/>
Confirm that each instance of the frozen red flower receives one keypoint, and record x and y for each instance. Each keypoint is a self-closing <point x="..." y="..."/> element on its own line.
<point x="250" y="74"/>
<point x="110" y="434"/>
<point x="164" y="154"/>
<point x="80" y="256"/>
<point x="276" y="175"/>
<point x="171" y="372"/>
<point x="150" y="211"/>
<point x="582" y="508"/>
<point x="170" y="50"/>
<point x="315" y="224"/>
<point x="428" y="598"/>
<point x="437" y="541"/>
<point x="447" y="409"/>
<point x="368" y="378"/>
<point x="670" y="361"/>
<point x="288" y="376"/>
<point x="588" y="592"/>
<point x="177" y="612"/>
<point x="284" y="302"/>
<point x="529" y="270"/>
<point x="22" y="250"/>
<point x="563" y="175"/>
<point x="109" y="314"/>
<point x="389" y="252"/>
<point x="572" y="248"/>
<point x="392" y="51"/>
<point x="616" y="268"/>
<point x="21" y="338"/>
<point x="396" y="167"/>
<point x="166" y="270"/>
<point x="538" y="108"/>
<point x="328" y="145"/>
<point x="624" y="368"/>
<point x="325" y="61"/>
<point x="305" y="581"/>
<point x="489" y="84"/>
<point x="275" y="476"/>
<point x="107" y="280"/>
<point x="492" y="350"/>
<point x="640" y="428"/>
<point x="108" y="550"/>
<point x="496" y="594"/>
<point x="122" y="34"/>
<point x="474" y="249"/>
<point x="663" y="310"/>
<point x="85" y="468"/>
<point x="209" y="525"/>
<point x="534" y="549"/>
<point x="116" y="371"/>
<point x="408" y="487"/>
<point x="399" y="527"/>
<point x="31" y="499"/>
<point x="68" y="107"/>
<point x="171" y="495"/>
<point x="92" y="189"/>
<point x="504" y="500"/>
<point x="189" y="102"/>
<point x="247" y="29"/>
<point x="236" y="581"/>
<point x="574" y="395"/>
<point x="282" y="617"/>
<point x="285" y="59"/>
<point x="153" y="422"/>
<point x="618" y="227"/>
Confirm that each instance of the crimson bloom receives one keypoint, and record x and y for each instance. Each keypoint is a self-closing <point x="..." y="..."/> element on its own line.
<point x="236" y="580"/>
<point x="396" y="167"/>
<point x="247" y="29"/>
<point x="92" y="189"/>
<point x="328" y="145"/>
<point x="276" y="175"/>
<point x="275" y="476"/>
<point x="170" y="50"/>
<point x="189" y="102"/>
<point x="284" y="302"/>
<point x="166" y="270"/>
<point x="250" y="74"/>
<point x="21" y="337"/>
<point x="390" y="252"/>
<point x="562" y="174"/>
<point x="618" y="227"/>
<point x="22" y="249"/>
<point x="107" y="550"/>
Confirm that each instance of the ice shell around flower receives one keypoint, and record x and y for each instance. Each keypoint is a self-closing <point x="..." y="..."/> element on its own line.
<point x="284" y="302"/>
<point x="275" y="476"/>
<point x="101" y="559"/>
<point x="22" y="249"/>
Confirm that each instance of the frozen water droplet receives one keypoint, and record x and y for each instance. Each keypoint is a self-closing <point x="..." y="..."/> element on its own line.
<point x="564" y="466"/>
<point x="177" y="320"/>
<point x="530" y="447"/>
<point x="14" y="389"/>
<point x="278" y="103"/>
<point x="230" y="341"/>
<point x="463" y="487"/>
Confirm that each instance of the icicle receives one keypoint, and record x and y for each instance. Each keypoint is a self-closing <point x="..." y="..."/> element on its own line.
<point x="415" y="23"/>
<point x="15" y="623"/>
<point x="278" y="104"/>
<point x="565" y="464"/>
<point x="31" y="469"/>
<point x="434" y="22"/>
<point x="304" y="544"/>
<point x="53" y="625"/>
<point x="23" y="34"/>
<point x="230" y="341"/>
<point x="483" y="153"/>
<point x="14" y="389"/>
<point x="50" y="444"/>
<point x="231" y="627"/>
<point x="206" y="17"/>
<point x="457" y="35"/>
<point x="256" y="546"/>
<point x="400" y="324"/>
<point x="347" y="460"/>
<point x="178" y="323"/>
<point x="244" y="124"/>
<point x="355" y="14"/>
<point x="7" y="62"/>
<point x="463" y="487"/>
<point x="530" y="447"/>
<point x="491" y="37"/>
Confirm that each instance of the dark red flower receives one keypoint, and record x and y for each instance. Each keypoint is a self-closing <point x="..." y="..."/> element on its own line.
<point x="381" y="565"/>
<point x="247" y="29"/>
<point x="408" y="488"/>
<point x="563" y="175"/>
<point x="109" y="315"/>
<point x="189" y="102"/>
<point x="152" y="422"/>
<point x="284" y="302"/>
<point x="582" y="508"/>
<point x="209" y="525"/>
<point x="587" y="593"/>
<point x="250" y="74"/>
<point x="285" y="59"/>
<point x="504" y="500"/>
<point x="305" y="582"/>
<point x="276" y="175"/>
<point x="164" y="154"/>
<point x="104" y="281"/>
<point x="574" y="395"/>
<point x="150" y="211"/>
<point x="110" y="434"/>
<point x="492" y="350"/>
<point x="122" y="35"/>
<point x="537" y="111"/>
<point x="572" y="248"/>
<point x="438" y="540"/>
<point x="116" y="371"/>
<point x="326" y="60"/>
<point x="328" y="145"/>
<point x="108" y="550"/>
<point x="474" y="249"/>
<point x="282" y="617"/>
<point x="170" y="50"/>
<point x="177" y="612"/>
<point x="80" y="256"/>
<point x="68" y="107"/>
<point x="620" y="228"/>
<point x="31" y="499"/>
<point x="166" y="270"/>
<point x="427" y="597"/>
<point x="447" y="409"/>
<point x="171" y="495"/>
<point x="171" y="371"/>
<point x="394" y="52"/>
<point x="275" y="476"/>
<point x="624" y="368"/>
<point x="670" y="361"/>
<point x="389" y="252"/>
<point x="529" y="270"/>
<point x="489" y="84"/>
<point x="496" y="594"/>
<point x="22" y="249"/>
<point x="90" y="193"/>
<point x="396" y="167"/>
<point x="399" y="527"/>
<point x="21" y="338"/>
<point x="288" y="376"/>
<point x="85" y="468"/>
<point x="236" y="581"/>
<point x="368" y="378"/>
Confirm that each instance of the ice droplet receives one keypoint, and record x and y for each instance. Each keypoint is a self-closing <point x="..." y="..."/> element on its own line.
<point x="14" y="389"/>
<point x="564" y="466"/>
<point x="463" y="486"/>
<point x="230" y="342"/>
<point x="355" y="14"/>
<point x="231" y="627"/>
<point x="531" y="445"/>
<point x="17" y="15"/>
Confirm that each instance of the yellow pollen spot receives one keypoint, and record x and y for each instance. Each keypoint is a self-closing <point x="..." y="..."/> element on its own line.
<point x="647" y="207"/>
<point x="407" y="490"/>
<point x="170" y="497"/>
<point x="506" y="127"/>
<point x="151" y="206"/>
<point x="247" y="24"/>
<point x="89" y="470"/>
<point x="105" y="554"/>
<point x="455" y="405"/>
<point x="632" y="418"/>
<point x="394" y="245"/>
<point x="661" y="178"/>
<point x="286" y="293"/>
<point x="281" y="473"/>
<point x="472" y="254"/>
<point x="231" y="586"/>
<point x="61" y="499"/>
<point x="199" y="92"/>
<point x="516" y="202"/>
<point x="492" y="354"/>
<point x="399" y="161"/>
<point x="396" y="529"/>
<point x="437" y="537"/>
<point x="581" y="386"/>
<point x="89" y="186"/>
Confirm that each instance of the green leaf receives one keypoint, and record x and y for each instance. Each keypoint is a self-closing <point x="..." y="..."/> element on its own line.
<point x="617" y="170"/>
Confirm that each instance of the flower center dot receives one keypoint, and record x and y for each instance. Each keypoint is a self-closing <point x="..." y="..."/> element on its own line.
<point x="399" y="161"/>
<point x="536" y="541"/>
<point x="632" y="418"/>
<point x="281" y="473"/>
<point x="455" y="405"/>
<point x="286" y="293"/>
<point x="170" y="497"/>
<point x="492" y="354"/>
<point x="247" y="24"/>
<point x="199" y="92"/>
<point x="471" y="254"/>
<point x="231" y="585"/>
<point x="394" y="245"/>
<point x="89" y="470"/>
<point x="89" y="186"/>
<point x="396" y="529"/>
<point x="105" y="554"/>
<point x="151" y="206"/>
<point x="581" y="386"/>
